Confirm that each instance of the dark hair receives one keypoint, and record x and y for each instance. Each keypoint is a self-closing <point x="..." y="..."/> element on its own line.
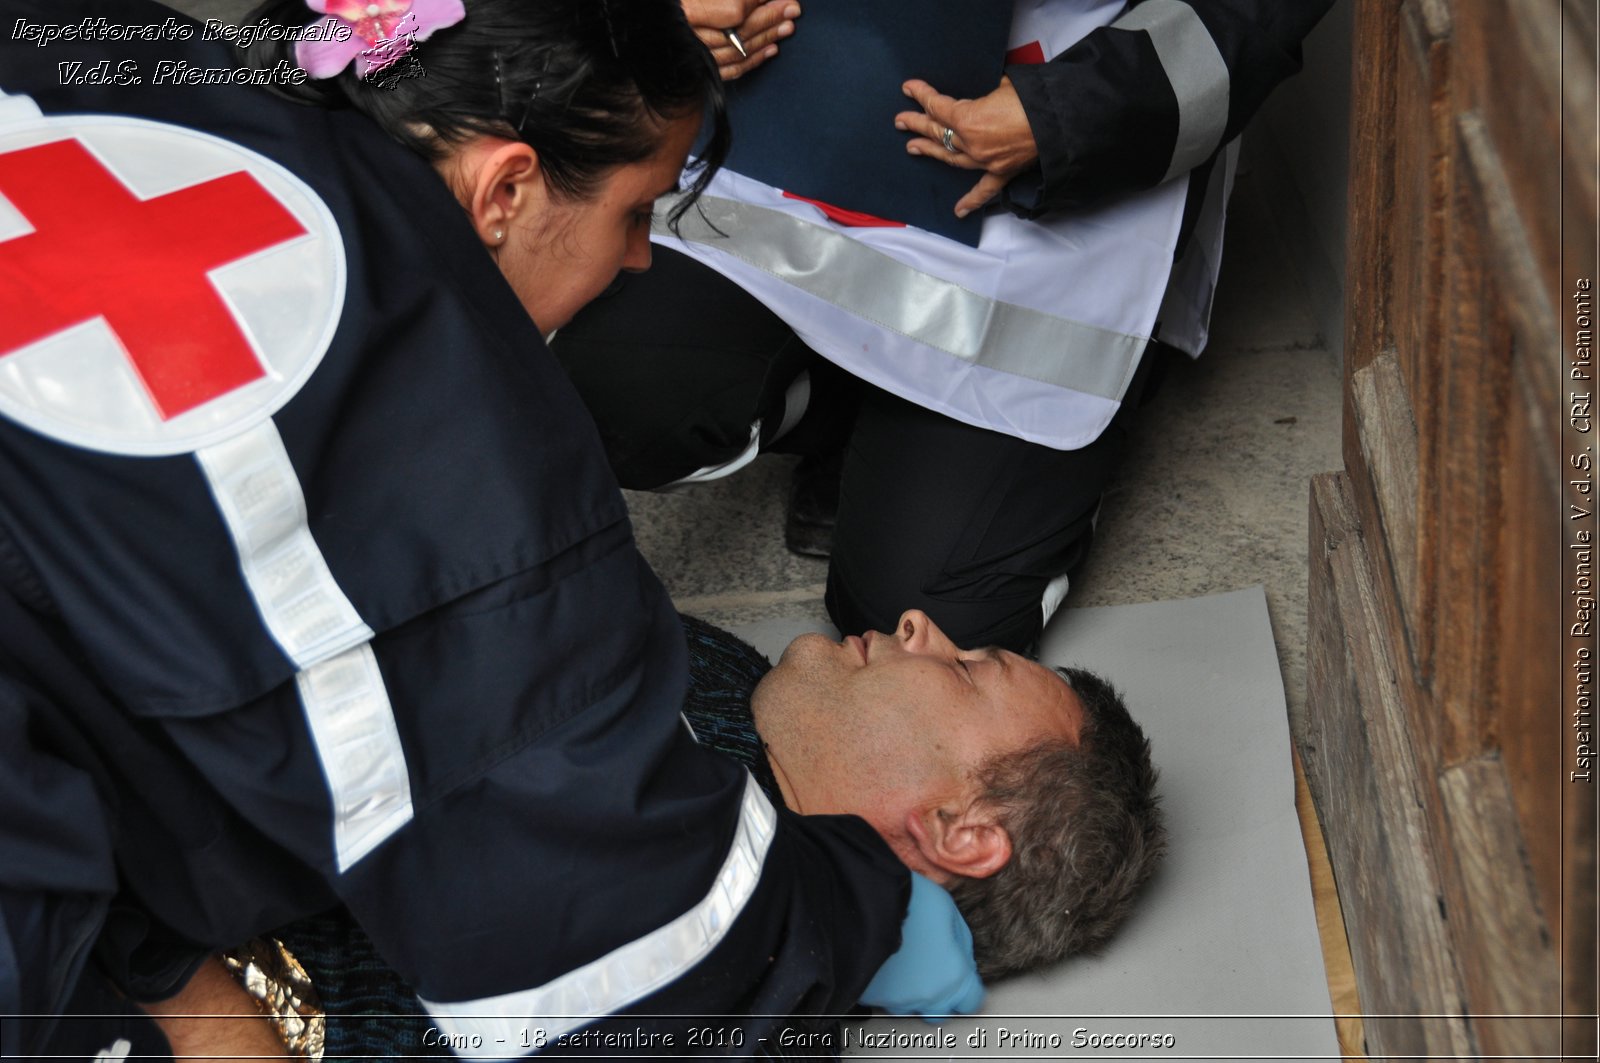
<point x="1086" y="833"/>
<point x="589" y="84"/>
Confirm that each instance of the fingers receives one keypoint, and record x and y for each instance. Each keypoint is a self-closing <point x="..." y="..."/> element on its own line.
<point x="923" y="125"/>
<point x="773" y="15"/>
<point x="718" y="14"/>
<point x="934" y="148"/>
<point x="935" y="104"/>
<point x="990" y="133"/>
<point x="939" y="116"/>
<point x="732" y="67"/>
<point x="988" y="186"/>
<point x="712" y="38"/>
<point x="769" y="22"/>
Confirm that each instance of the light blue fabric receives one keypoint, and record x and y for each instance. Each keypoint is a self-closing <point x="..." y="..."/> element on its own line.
<point x="933" y="975"/>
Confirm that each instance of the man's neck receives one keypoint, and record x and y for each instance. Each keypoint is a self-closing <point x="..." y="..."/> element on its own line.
<point x="785" y="787"/>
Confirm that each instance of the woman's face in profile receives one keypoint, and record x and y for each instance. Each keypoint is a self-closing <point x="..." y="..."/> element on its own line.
<point x="566" y="255"/>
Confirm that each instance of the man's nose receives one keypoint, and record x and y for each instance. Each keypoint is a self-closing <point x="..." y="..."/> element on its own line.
<point x="919" y="634"/>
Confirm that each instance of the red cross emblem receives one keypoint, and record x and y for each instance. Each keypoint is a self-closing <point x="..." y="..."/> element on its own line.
<point x="161" y="289"/>
<point x="99" y="251"/>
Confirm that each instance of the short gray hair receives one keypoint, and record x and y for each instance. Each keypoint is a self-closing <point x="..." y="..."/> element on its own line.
<point x="1086" y="833"/>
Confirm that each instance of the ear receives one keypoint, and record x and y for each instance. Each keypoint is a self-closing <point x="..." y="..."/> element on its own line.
<point x="959" y="840"/>
<point x="503" y="182"/>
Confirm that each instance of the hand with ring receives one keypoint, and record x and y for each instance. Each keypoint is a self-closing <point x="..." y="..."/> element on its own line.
<point x="741" y="34"/>
<point x="990" y="133"/>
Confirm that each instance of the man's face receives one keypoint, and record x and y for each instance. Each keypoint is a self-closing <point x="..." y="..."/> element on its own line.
<point x="892" y="724"/>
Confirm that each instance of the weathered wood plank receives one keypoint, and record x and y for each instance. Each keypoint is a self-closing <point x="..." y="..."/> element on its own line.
<point x="1433" y="750"/>
<point x="1359" y="763"/>
<point x="1476" y="376"/>
<point x="1371" y="187"/>
<point x="1508" y="76"/>
<point x="1508" y="960"/>
<point x="1580" y="178"/>
<point x="1422" y="183"/>
<point x="1389" y="448"/>
<point x="1580" y="928"/>
<point x="1422" y="159"/>
<point x="1529" y="733"/>
<point x="1330" y="922"/>
<point x="1535" y="348"/>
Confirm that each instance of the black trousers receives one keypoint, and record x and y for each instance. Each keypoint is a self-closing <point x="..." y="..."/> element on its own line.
<point x="967" y="524"/>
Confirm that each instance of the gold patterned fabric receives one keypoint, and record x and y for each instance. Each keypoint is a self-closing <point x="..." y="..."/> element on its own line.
<point x="274" y="978"/>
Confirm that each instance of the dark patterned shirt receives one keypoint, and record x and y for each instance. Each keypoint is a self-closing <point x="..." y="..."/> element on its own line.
<point x="723" y="673"/>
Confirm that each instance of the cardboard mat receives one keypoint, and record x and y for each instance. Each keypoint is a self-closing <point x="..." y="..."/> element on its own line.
<point x="1221" y="959"/>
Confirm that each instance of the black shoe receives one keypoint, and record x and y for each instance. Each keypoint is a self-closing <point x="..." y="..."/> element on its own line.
<point x="813" y="505"/>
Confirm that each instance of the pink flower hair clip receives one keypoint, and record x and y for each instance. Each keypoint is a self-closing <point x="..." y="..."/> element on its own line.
<point x="380" y="32"/>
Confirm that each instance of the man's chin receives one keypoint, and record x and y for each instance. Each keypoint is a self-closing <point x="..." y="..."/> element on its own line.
<point x="807" y="645"/>
<point x="794" y="680"/>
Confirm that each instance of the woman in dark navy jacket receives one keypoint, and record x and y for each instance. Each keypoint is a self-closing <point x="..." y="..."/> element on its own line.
<point x="315" y="587"/>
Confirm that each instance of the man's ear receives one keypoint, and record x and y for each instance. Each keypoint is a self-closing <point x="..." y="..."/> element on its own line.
<point x="960" y="840"/>
<point x="502" y="183"/>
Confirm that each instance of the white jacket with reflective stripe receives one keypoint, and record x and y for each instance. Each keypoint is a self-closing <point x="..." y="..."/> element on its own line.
<point x="1036" y="332"/>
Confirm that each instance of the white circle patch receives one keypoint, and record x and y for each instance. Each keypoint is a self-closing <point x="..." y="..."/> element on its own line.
<point x="161" y="289"/>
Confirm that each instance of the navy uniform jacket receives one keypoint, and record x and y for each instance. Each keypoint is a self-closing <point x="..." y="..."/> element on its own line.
<point x="1153" y="95"/>
<point x="549" y="841"/>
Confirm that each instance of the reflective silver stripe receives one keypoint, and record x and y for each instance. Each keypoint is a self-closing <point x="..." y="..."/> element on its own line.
<point x="1055" y="592"/>
<point x="346" y="704"/>
<point x="628" y="973"/>
<point x="1198" y="74"/>
<point x="938" y="313"/>
<point x="259" y="494"/>
<point x="707" y="473"/>
<point x="796" y="400"/>
<point x="352" y="725"/>
<point x="1186" y="307"/>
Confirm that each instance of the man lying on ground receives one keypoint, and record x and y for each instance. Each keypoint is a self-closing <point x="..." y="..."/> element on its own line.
<point x="1026" y="791"/>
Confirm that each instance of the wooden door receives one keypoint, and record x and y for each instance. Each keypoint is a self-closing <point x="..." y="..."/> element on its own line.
<point x="1448" y="737"/>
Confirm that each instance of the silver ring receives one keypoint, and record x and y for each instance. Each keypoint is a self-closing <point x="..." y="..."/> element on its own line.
<point x="738" y="45"/>
<point x="949" y="140"/>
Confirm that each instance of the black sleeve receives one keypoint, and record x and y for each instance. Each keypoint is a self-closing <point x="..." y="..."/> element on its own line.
<point x="1154" y="94"/>
<point x="56" y="867"/>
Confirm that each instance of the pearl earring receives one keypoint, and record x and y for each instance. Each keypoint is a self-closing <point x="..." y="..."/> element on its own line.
<point x="499" y="234"/>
